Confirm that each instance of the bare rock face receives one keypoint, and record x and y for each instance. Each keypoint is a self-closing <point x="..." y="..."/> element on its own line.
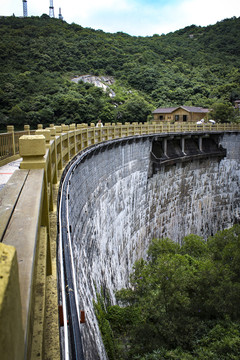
<point x="115" y="210"/>
<point x="103" y="82"/>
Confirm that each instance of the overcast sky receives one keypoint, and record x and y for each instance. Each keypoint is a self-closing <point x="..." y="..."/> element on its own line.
<point x="134" y="17"/>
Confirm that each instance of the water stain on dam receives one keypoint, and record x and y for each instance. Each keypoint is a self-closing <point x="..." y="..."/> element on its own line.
<point x="119" y="202"/>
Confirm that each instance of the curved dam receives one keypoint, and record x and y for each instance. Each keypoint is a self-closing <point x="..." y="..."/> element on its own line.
<point x="124" y="193"/>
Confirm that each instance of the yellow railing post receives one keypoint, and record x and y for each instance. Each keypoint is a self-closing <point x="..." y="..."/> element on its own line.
<point x="59" y="147"/>
<point x="11" y="326"/>
<point x="65" y="129"/>
<point x="46" y="133"/>
<point x="52" y="132"/>
<point x="27" y="129"/>
<point x="54" y="153"/>
<point x="10" y="129"/>
<point x="73" y="144"/>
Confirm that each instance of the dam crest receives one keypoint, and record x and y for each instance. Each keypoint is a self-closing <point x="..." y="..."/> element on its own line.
<point x="103" y="194"/>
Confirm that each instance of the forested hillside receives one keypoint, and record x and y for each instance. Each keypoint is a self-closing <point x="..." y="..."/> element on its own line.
<point x="197" y="66"/>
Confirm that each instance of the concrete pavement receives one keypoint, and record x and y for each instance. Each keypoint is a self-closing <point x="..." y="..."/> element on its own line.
<point x="7" y="170"/>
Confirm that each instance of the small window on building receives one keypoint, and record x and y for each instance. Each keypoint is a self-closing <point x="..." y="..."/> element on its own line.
<point x="161" y="117"/>
<point x="184" y="117"/>
<point x="176" y="117"/>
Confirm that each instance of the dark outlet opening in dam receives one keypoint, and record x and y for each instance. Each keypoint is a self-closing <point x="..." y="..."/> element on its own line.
<point x="117" y="196"/>
<point x="169" y="151"/>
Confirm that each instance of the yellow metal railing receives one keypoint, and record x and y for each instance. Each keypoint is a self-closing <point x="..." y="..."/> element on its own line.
<point x="9" y="143"/>
<point x="85" y="135"/>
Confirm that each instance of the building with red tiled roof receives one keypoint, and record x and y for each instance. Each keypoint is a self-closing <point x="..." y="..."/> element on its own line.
<point x="180" y="113"/>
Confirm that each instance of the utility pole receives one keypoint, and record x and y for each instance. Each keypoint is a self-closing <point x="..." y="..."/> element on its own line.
<point x="51" y="9"/>
<point x="25" y="14"/>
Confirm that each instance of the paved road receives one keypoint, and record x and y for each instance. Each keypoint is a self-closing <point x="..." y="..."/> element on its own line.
<point x="6" y="172"/>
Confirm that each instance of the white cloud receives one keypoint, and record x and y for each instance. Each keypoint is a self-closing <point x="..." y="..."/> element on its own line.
<point x="36" y="8"/>
<point x="91" y="9"/>
<point x="11" y="6"/>
<point x="208" y="12"/>
<point x="197" y="12"/>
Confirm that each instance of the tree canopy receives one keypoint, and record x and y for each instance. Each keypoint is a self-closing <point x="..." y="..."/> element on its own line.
<point x="182" y="303"/>
<point x="196" y="66"/>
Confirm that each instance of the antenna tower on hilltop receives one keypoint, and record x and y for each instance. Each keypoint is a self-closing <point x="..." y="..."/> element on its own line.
<point x="25" y="14"/>
<point x="51" y="9"/>
<point x="60" y="14"/>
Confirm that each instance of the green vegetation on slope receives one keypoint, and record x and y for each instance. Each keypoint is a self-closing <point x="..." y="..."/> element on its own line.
<point x="38" y="56"/>
<point x="183" y="302"/>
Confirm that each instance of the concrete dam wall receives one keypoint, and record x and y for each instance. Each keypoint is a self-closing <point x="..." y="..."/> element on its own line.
<point x="117" y="205"/>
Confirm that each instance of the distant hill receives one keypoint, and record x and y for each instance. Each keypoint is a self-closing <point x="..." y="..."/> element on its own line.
<point x="39" y="55"/>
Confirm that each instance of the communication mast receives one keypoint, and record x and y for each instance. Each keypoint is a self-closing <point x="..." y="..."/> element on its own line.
<point x="25" y="14"/>
<point x="60" y="14"/>
<point x="51" y="9"/>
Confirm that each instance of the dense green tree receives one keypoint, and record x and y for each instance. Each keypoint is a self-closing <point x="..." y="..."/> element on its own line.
<point x="222" y="112"/>
<point x="17" y="115"/>
<point x="39" y="55"/>
<point x="133" y="110"/>
<point x="183" y="302"/>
